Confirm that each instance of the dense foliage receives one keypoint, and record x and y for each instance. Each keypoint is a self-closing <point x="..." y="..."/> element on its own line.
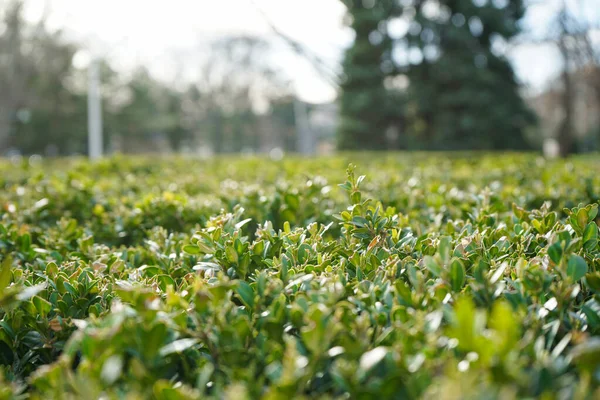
<point x="436" y="276"/>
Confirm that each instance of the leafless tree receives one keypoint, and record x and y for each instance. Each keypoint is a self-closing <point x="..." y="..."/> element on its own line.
<point x="22" y="47"/>
<point x="571" y="32"/>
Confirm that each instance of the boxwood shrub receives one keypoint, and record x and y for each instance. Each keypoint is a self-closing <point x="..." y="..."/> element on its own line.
<point x="442" y="276"/>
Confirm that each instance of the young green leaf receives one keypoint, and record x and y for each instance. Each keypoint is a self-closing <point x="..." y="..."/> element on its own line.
<point x="191" y="249"/>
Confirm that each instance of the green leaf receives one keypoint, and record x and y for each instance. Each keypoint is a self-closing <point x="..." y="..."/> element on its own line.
<point x="258" y="248"/>
<point x="577" y="267"/>
<point x="590" y="237"/>
<point x="25" y="240"/>
<point x="592" y="281"/>
<point x="550" y="219"/>
<point x="304" y="253"/>
<point x="205" y="248"/>
<point x="164" y="281"/>
<point x="232" y="255"/>
<point x="444" y="249"/>
<point x="42" y="306"/>
<point x="244" y="290"/>
<point x="191" y="249"/>
<point x="71" y="289"/>
<point x="564" y="236"/>
<point x="346" y="186"/>
<point x="5" y="273"/>
<point x="582" y="218"/>
<point x="592" y="317"/>
<point x="359" y="221"/>
<point x="51" y="269"/>
<point x="593" y="212"/>
<point x="285" y="267"/>
<point x="286" y="225"/>
<point x="457" y="275"/>
<point x="537" y="225"/>
<point x="432" y="265"/>
<point x="242" y="266"/>
<point x="555" y="252"/>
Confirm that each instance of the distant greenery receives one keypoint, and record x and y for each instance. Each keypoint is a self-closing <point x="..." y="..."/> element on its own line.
<point x="446" y="276"/>
<point x="441" y="84"/>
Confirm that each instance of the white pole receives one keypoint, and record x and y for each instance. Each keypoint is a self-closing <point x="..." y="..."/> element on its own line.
<point x="551" y="148"/>
<point x="94" y="111"/>
<point x="306" y="143"/>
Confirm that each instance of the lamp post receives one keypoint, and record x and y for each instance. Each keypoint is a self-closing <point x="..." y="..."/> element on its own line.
<point x="94" y="111"/>
<point x="306" y="139"/>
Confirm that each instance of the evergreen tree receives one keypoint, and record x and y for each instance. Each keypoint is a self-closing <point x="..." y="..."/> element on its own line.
<point x="365" y="102"/>
<point x="464" y="89"/>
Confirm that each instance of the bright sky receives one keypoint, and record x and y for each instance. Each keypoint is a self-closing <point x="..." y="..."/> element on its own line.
<point x="169" y="37"/>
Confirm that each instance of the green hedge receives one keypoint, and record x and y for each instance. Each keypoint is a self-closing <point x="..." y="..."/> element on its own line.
<point x="437" y="276"/>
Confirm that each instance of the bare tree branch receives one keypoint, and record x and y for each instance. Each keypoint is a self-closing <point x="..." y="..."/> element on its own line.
<point x="317" y="62"/>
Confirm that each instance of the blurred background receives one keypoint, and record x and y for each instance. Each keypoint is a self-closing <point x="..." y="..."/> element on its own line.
<point x="289" y="76"/>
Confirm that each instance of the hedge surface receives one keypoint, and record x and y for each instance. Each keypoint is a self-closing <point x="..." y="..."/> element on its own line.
<point x="437" y="275"/>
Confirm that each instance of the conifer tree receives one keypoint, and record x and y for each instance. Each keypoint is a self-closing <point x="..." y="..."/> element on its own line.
<point x="365" y="102"/>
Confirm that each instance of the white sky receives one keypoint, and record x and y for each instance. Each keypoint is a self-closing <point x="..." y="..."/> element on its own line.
<point x="168" y="36"/>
